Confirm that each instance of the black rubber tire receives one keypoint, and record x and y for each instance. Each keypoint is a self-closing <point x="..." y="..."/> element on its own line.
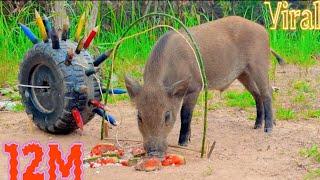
<point x="50" y="109"/>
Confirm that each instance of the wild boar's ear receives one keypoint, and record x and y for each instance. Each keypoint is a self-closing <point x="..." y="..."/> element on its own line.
<point x="179" y="89"/>
<point x="132" y="86"/>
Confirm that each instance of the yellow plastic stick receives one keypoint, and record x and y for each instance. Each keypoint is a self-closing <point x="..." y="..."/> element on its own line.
<point x="41" y="26"/>
<point x="80" y="27"/>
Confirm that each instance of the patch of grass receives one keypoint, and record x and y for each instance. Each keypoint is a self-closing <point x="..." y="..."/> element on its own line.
<point x="300" y="98"/>
<point x="15" y="96"/>
<point x="200" y="100"/>
<point x="214" y="106"/>
<point x="302" y="86"/>
<point x="239" y="99"/>
<point x="113" y="99"/>
<point x="313" y="113"/>
<point x="197" y="113"/>
<point x="18" y="107"/>
<point x="296" y="47"/>
<point x="252" y="117"/>
<point x="208" y="171"/>
<point x="285" y="114"/>
<point x="314" y="153"/>
<point x="10" y="93"/>
<point x="314" y="174"/>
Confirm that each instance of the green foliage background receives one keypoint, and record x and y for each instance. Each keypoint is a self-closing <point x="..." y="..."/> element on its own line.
<point x="297" y="47"/>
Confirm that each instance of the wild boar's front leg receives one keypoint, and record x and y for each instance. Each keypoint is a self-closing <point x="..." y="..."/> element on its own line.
<point x="188" y="105"/>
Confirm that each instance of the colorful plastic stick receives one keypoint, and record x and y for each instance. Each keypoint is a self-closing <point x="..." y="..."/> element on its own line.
<point x="81" y="24"/>
<point x="96" y="103"/>
<point x="77" y="117"/>
<point x="65" y="32"/>
<point x="80" y="46"/>
<point x="102" y="113"/>
<point x="41" y="27"/>
<point x="55" y="39"/>
<point x="47" y="24"/>
<point x="29" y="34"/>
<point x="90" y="71"/>
<point x="112" y="120"/>
<point x="117" y="91"/>
<point x="90" y="37"/>
<point x="102" y="58"/>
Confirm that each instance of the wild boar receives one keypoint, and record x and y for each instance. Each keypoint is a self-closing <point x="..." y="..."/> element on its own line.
<point x="232" y="48"/>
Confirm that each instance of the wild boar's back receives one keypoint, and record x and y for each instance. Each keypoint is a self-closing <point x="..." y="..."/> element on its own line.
<point x="227" y="45"/>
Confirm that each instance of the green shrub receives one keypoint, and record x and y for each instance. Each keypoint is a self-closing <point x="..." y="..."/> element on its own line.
<point x="285" y="114"/>
<point x="239" y="99"/>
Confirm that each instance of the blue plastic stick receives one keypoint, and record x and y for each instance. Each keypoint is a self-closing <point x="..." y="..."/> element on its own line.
<point x="100" y="59"/>
<point x="117" y="91"/>
<point x="47" y="24"/>
<point x="106" y="116"/>
<point x="112" y="120"/>
<point x="29" y="34"/>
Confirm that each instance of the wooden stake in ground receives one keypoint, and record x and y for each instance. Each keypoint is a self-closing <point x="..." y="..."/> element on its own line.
<point x="60" y="16"/>
<point x="106" y="130"/>
<point x="93" y="16"/>
<point x="211" y="149"/>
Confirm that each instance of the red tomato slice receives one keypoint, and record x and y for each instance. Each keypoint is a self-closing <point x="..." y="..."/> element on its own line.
<point x="173" y="159"/>
<point x="106" y="160"/>
<point x="166" y="162"/>
<point x="124" y="162"/>
<point x="138" y="151"/>
<point x="120" y="152"/>
<point x="102" y="148"/>
<point x="149" y="165"/>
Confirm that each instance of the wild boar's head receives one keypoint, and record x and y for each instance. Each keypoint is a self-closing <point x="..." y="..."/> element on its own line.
<point x="158" y="108"/>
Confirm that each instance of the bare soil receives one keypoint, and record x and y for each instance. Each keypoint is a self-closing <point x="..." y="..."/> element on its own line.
<point x="240" y="152"/>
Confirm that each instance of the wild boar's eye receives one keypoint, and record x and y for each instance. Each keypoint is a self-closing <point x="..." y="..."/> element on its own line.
<point x="167" y="117"/>
<point x="139" y="117"/>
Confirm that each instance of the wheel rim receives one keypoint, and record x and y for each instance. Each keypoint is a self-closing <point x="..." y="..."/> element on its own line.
<point x="44" y="98"/>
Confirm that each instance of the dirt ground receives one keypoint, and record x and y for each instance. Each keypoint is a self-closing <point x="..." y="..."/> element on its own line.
<point x="240" y="152"/>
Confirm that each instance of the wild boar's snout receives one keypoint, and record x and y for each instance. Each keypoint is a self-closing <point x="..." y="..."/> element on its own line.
<point x="155" y="146"/>
<point x="158" y="107"/>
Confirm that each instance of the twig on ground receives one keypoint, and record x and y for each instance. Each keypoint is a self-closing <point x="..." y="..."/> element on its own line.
<point x="170" y="145"/>
<point x="211" y="149"/>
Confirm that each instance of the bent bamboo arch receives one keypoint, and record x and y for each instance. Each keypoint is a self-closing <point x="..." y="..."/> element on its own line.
<point x="199" y="59"/>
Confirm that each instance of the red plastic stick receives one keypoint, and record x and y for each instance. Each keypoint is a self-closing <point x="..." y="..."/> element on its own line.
<point x="77" y="117"/>
<point x="90" y="38"/>
<point x="96" y="103"/>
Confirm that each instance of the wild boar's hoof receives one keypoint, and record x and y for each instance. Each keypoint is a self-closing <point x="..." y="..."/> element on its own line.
<point x="267" y="130"/>
<point x="257" y="126"/>
<point x="185" y="144"/>
<point x="184" y="139"/>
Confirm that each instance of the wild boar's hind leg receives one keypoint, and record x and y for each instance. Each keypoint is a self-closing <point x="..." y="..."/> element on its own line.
<point x="250" y="85"/>
<point x="260" y="76"/>
<point x="188" y="105"/>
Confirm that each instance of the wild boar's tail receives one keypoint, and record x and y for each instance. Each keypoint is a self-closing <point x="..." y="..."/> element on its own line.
<point x="279" y="59"/>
